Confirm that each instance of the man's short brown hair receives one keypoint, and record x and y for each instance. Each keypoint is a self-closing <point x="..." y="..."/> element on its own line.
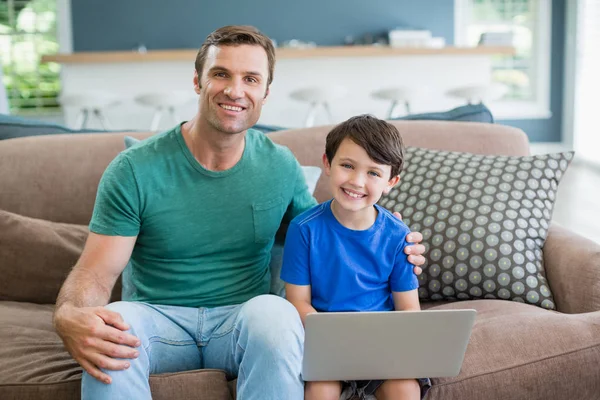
<point x="235" y="35"/>
<point x="380" y="139"/>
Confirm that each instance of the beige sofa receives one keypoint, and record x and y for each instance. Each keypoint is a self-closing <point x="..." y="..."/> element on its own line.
<point x="516" y="351"/>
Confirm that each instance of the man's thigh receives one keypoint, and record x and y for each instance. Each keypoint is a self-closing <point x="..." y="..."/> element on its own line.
<point x="168" y="335"/>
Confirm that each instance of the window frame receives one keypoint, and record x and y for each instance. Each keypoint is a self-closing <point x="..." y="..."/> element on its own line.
<point x="520" y="109"/>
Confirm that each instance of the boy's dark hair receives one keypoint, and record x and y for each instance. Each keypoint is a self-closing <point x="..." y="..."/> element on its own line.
<point x="235" y="35"/>
<point x="380" y="139"/>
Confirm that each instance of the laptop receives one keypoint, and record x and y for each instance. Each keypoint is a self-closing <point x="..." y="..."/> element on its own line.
<point x="385" y="345"/>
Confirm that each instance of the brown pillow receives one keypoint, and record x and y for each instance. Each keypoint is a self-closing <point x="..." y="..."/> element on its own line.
<point x="36" y="257"/>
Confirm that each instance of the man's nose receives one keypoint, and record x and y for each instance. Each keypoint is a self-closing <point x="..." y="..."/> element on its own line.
<point x="234" y="90"/>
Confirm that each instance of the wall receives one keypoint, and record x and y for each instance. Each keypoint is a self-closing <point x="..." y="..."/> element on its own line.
<point x="159" y="24"/>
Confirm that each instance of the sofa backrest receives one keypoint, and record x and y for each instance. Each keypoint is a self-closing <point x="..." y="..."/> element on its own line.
<point x="55" y="177"/>
<point x="308" y="144"/>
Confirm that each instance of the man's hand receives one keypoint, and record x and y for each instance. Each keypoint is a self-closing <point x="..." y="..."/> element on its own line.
<point x="414" y="251"/>
<point x="95" y="337"/>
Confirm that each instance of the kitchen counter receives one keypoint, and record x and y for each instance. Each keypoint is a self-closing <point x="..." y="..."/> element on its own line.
<point x="282" y="53"/>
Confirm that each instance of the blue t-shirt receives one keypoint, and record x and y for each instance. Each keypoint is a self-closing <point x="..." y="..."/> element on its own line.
<point x="348" y="270"/>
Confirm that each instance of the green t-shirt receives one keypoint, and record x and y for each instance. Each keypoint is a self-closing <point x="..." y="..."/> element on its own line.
<point x="204" y="237"/>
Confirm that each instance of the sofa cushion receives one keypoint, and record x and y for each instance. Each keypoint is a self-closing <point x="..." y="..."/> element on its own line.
<point x="35" y="364"/>
<point x="484" y="220"/>
<point x="515" y="351"/>
<point x="518" y="351"/>
<point x="466" y="113"/>
<point x="29" y="246"/>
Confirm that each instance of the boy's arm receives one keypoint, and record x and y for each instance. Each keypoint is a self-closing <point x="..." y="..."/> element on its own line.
<point x="299" y="296"/>
<point x="405" y="301"/>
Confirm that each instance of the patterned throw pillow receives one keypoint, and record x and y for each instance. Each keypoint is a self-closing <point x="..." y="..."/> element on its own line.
<point x="484" y="220"/>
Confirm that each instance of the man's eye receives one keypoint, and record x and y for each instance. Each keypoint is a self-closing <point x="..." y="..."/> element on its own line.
<point x="220" y="74"/>
<point x="252" y="79"/>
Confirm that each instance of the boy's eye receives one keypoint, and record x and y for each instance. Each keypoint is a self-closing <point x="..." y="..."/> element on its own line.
<point x="373" y="173"/>
<point x="346" y="166"/>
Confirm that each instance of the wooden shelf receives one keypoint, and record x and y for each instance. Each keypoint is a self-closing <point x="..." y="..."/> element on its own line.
<point x="282" y="53"/>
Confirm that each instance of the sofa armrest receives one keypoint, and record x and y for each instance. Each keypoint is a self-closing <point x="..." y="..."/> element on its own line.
<point x="572" y="265"/>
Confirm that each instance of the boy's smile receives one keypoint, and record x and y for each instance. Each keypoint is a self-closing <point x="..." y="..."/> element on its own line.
<point x="357" y="183"/>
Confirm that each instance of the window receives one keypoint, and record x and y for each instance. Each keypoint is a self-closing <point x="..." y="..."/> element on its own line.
<point x="28" y="31"/>
<point x="582" y="79"/>
<point x="524" y="24"/>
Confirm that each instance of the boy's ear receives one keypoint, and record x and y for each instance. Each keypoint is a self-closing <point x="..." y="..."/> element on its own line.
<point x="391" y="183"/>
<point x="326" y="164"/>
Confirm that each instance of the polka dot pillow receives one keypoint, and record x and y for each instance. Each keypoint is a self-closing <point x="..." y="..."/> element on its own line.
<point x="484" y="220"/>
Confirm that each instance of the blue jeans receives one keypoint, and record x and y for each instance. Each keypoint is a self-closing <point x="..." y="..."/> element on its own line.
<point x="260" y="342"/>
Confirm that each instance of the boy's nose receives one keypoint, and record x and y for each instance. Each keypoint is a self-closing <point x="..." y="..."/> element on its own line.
<point x="357" y="180"/>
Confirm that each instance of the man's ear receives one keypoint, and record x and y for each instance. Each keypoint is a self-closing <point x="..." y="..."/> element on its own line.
<point x="326" y="164"/>
<point x="264" y="100"/>
<point x="391" y="183"/>
<point x="197" y="85"/>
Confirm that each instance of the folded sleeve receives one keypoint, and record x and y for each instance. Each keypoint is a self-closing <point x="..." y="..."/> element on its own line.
<point x="117" y="207"/>
<point x="296" y="257"/>
<point x="403" y="278"/>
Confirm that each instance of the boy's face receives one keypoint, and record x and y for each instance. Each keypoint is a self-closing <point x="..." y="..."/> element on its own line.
<point x="356" y="181"/>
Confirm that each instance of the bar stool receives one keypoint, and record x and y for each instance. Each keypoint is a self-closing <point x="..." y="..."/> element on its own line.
<point x="318" y="97"/>
<point x="479" y="93"/>
<point x="164" y="101"/>
<point x="89" y="103"/>
<point x="396" y="95"/>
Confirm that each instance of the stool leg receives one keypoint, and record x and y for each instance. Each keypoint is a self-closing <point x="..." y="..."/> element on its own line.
<point x="174" y="115"/>
<point x="81" y="118"/>
<point x="103" y="120"/>
<point x="328" y="110"/>
<point x="312" y="113"/>
<point x="156" y="119"/>
<point x="392" y="108"/>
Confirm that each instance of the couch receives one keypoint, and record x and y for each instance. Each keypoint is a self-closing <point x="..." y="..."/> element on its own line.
<point x="516" y="351"/>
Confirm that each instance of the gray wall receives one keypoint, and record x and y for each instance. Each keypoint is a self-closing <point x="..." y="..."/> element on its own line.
<point x="162" y="24"/>
<point x="179" y="24"/>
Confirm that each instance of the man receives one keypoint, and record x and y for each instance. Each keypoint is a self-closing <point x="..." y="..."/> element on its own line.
<point x="196" y="210"/>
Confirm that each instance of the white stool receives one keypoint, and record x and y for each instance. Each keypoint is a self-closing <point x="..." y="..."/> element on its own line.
<point x="164" y="101"/>
<point x="479" y="93"/>
<point x="318" y="97"/>
<point x="396" y="95"/>
<point x="89" y="102"/>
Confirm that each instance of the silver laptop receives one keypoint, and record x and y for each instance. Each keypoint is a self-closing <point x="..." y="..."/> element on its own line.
<point x="385" y="345"/>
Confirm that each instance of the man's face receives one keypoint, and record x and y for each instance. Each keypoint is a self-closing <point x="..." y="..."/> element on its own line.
<point x="233" y="87"/>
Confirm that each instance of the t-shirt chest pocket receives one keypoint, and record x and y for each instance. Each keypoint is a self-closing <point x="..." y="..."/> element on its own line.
<point x="267" y="218"/>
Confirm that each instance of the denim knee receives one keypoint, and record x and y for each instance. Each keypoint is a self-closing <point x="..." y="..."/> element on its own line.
<point x="272" y="320"/>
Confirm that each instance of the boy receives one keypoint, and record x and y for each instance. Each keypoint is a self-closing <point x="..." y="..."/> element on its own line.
<point x="346" y="254"/>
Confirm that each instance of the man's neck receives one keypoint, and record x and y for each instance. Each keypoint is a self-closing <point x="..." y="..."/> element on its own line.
<point x="214" y="150"/>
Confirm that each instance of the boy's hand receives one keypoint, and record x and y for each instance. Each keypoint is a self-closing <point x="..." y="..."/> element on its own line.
<point x="415" y="251"/>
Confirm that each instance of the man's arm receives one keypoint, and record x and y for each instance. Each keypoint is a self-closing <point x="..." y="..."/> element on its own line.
<point x="300" y="297"/>
<point x="405" y="301"/>
<point x="93" y="335"/>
